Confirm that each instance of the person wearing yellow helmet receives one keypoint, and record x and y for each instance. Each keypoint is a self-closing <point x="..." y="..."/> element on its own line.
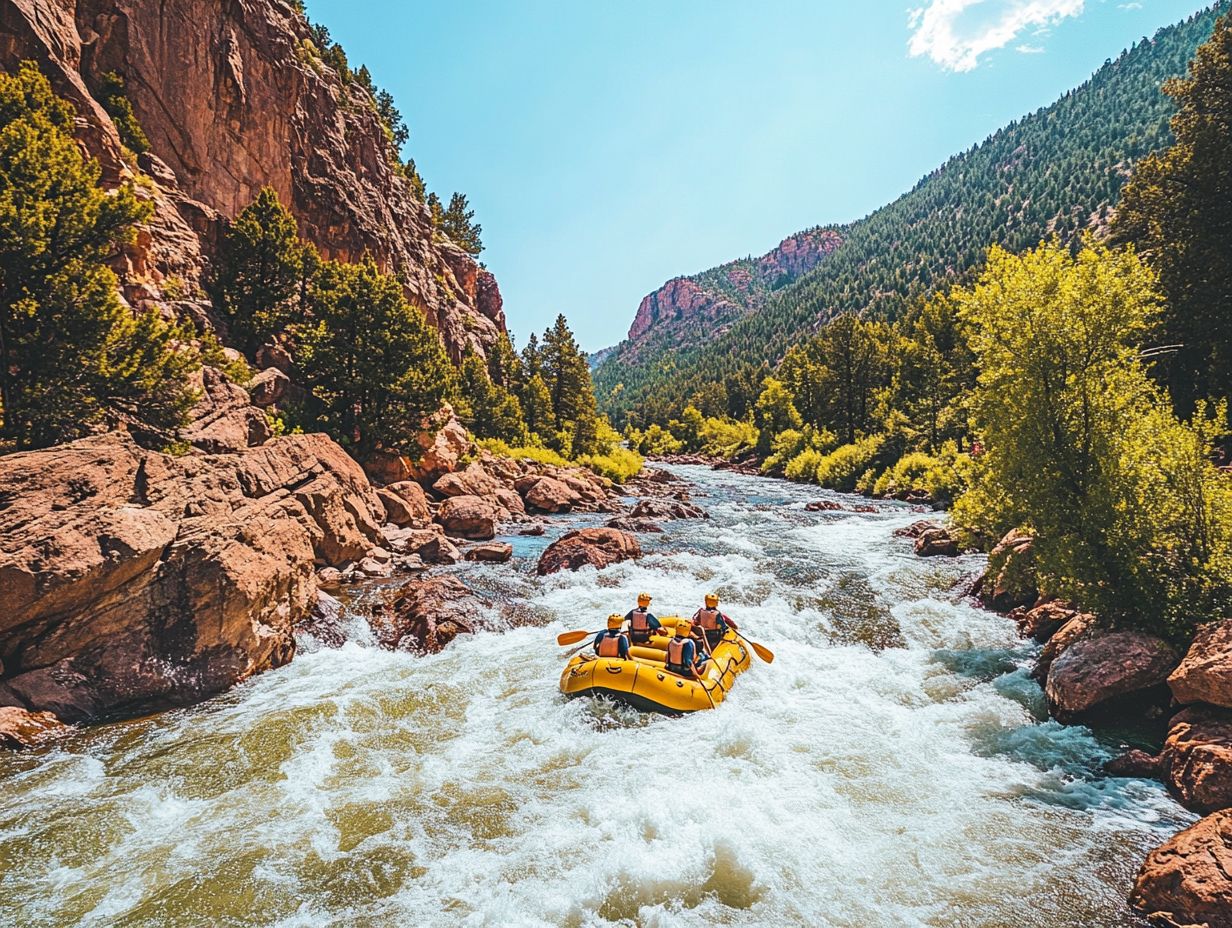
<point x="642" y="622"/>
<point x="713" y="623"/>
<point x="682" y="651"/>
<point x="612" y="641"/>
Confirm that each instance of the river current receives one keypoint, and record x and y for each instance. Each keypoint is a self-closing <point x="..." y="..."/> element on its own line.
<point x="892" y="767"/>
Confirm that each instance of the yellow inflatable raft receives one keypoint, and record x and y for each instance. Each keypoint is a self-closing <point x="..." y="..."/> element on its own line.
<point x="643" y="681"/>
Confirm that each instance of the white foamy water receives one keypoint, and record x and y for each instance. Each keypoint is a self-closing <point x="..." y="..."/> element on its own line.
<point x="891" y="768"/>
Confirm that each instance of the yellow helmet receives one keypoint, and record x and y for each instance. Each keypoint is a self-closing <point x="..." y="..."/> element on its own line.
<point x="614" y="621"/>
<point x="712" y="600"/>
<point x="684" y="628"/>
<point x="643" y="599"/>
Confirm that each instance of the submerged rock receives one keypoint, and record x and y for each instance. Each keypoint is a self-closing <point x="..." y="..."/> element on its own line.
<point x="1135" y="763"/>
<point x="667" y="509"/>
<point x="547" y="494"/>
<point x="426" y="615"/>
<point x="1197" y="758"/>
<point x="596" y="547"/>
<point x="1187" y="883"/>
<point x="626" y="524"/>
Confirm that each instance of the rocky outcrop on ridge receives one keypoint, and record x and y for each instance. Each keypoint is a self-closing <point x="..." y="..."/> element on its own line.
<point x="234" y="97"/>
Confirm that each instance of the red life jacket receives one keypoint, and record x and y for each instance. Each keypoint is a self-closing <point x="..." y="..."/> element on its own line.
<point x="708" y="619"/>
<point x="675" y="657"/>
<point x="609" y="646"/>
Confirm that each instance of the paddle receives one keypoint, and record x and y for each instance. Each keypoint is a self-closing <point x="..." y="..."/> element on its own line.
<point x="762" y="651"/>
<point x="572" y="637"/>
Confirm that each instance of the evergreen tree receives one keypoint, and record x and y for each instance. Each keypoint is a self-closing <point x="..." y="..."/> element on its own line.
<point x="115" y="101"/>
<point x="1177" y="209"/>
<point x="934" y="372"/>
<point x="566" y="373"/>
<point x="488" y="409"/>
<point x="72" y="357"/>
<point x="537" y="408"/>
<point x="458" y="222"/>
<point x="375" y="367"/>
<point x="773" y="414"/>
<point x="435" y="210"/>
<point x="532" y="359"/>
<point x="261" y="273"/>
<point x="504" y="365"/>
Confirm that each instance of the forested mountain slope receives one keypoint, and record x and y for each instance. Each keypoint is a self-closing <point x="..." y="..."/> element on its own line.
<point x="1057" y="171"/>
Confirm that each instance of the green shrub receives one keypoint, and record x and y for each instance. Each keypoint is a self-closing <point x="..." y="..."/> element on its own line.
<point x="803" y="467"/>
<point x="841" y="468"/>
<point x="937" y="475"/>
<point x="727" y="438"/>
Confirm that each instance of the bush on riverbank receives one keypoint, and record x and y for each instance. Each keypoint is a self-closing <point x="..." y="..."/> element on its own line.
<point x="618" y="464"/>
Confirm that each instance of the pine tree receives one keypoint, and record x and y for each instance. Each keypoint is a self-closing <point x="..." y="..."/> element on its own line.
<point x="72" y="357"/>
<point x="458" y="222"/>
<point x="566" y="373"/>
<point x="532" y="358"/>
<point x="261" y="272"/>
<point x="486" y="408"/>
<point x="1177" y="209"/>
<point x="375" y="367"/>
<point x="537" y="408"/>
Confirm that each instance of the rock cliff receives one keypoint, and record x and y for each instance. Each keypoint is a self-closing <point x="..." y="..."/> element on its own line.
<point x="234" y="97"/>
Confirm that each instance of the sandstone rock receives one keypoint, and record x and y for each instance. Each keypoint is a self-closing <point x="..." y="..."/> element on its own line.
<point x="824" y="505"/>
<point x="492" y="553"/>
<point x="415" y="500"/>
<point x="597" y="547"/>
<point x="325" y="622"/>
<point x="429" y="543"/>
<point x="468" y="517"/>
<point x="134" y="580"/>
<point x="547" y="494"/>
<point x="1205" y="675"/>
<point x="1105" y="667"/>
<point x="1010" y="579"/>
<point x="936" y="542"/>
<point x="915" y="529"/>
<point x="397" y="510"/>
<point x="224" y="419"/>
<point x="510" y="501"/>
<point x="536" y="528"/>
<point x="1135" y="763"/>
<point x="1197" y="758"/>
<point x="1187" y="883"/>
<point x="269" y="387"/>
<point x="329" y="578"/>
<point x="1044" y="620"/>
<point x="666" y="509"/>
<point x="276" y="357"/>
<point x="22" y="729"/>
<point x="472" y="480"/>
<point x="426" y="615"/>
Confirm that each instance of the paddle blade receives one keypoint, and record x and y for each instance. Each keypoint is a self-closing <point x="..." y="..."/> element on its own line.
<point x="572" y="637"/>
<point x="763" y="652"/>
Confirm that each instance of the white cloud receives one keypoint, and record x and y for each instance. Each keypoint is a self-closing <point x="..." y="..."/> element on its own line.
<point x="955" y="33"/>
<point x="1030" y="49"/>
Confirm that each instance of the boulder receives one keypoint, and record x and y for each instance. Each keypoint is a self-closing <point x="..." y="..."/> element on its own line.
<point x="535" y="528"/>
<point x="510" y="501"/>
<point x="397" y="510"/>
<point x="626" y="524"/>
<point x="425" y="615"/>
<point x="1081" y="626"/>
<point x="436" y="450"/>
<point x="914" y="530"/>
<point x="429" y="543"/>
<point x="325" y="622"/>
<point x="1205" y="674"/>
<point x="596" y="547"/>
<point x="224" y="419"/>
<point x="1135" y="763"/>
<point x="1010" y="580"/>
<point x="415" y="500"/>
<point x="329" y="578"/>
<point x="1187" y="883"/>
<point x="666" y="509"/>
<point x="1106" y="667"/>
<point x="936" y="542"/>
<point x="473" y="480"/>
<point x="492" y="553"/>
<point x="1197" y="758"/>
<point x="22" y="729"/>
<point x="1044" y="620"/>
<point x="468" y="517"/>
<point x="133" y="580"/>
<point x="269" y="387"/>
<point x="826" y="505"/>
<point x="547" y="494"/>
<point x="276" y="357"/>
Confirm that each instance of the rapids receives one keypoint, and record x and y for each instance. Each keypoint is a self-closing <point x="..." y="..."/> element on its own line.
<point x="893" y="767"/>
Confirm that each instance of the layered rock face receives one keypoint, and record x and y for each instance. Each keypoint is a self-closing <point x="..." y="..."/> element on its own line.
<point x="234" y="98"/>
<point x="134" y="580"/>
<point x="693" y="299"/>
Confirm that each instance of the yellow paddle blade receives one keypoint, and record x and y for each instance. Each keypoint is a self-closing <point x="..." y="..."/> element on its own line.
<point x="762" y="651"/>
<point x="572" y="637"/>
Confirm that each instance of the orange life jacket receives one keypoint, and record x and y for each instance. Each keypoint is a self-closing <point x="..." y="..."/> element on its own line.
<point x="609" y="646"/>
<point x="639" y="625"/>
<point x="708" y="619"/>
<point x="675" y="657"/>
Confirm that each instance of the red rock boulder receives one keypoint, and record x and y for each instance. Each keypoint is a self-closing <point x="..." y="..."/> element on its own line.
<point x="1205" y="674"/>
<point x="547" y="494"/>
<point x="936" y="542"/>
<point x="473" y="480"/>
<point x="1106" y="667"/>
<point x="22" y="729"/>
<point x="425" y="615"/>
<point x="595" y="547"/>
<point x="1187" y="883"/>
<point x="468" y="517"/>
<point x="667" y="509"/>
<point x="1197" y="758"/>
<point x="1010" y="579"/>
<point x="490" y="553"/>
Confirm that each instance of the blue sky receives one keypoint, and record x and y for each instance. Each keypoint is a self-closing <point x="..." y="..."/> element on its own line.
<point x="609" y="146"/>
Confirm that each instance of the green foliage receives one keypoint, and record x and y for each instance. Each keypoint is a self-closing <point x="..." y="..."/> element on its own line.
<point x="791" y="444"/>
<point x="727" y="438"/>
<point x="375" y="367"/>
<point x="115" y="101"/>
<point x="940" y="476"/>
<point x="843" y="467"/>
<point x="1178" y="210"/>
<point x="802" y="466"/>
<point x="566" y="375"/>
<point x="616" y="463"/>
<point x="262" y="272"/>
<point x="488" y="409"/>
<point x="1133" y="521"/>
<point x="774" y="413"/>
<point x="72" y="357"/>
<point x="656" y="441"/>
<point x="1058" y="170"/>
<point x="213" y="354"/>
<point x="457" y="221"/>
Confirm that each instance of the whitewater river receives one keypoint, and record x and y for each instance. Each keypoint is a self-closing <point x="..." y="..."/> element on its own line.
<point x="891" y="768"/>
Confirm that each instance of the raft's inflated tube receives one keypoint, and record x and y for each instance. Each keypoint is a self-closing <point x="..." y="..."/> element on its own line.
<point x="643" y="682"/>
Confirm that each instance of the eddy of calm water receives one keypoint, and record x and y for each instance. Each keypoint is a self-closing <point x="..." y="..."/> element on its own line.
<point x="893" y="767"/>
